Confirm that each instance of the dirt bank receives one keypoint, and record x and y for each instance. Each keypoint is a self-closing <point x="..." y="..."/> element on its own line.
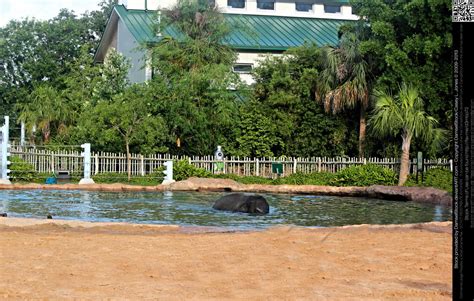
<point x="50" y="259"/>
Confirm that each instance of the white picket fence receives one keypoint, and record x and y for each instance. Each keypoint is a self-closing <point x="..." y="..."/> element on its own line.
<point x="47" y="161"/>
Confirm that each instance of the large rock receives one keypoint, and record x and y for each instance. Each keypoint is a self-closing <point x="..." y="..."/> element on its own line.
<point x="196" y="184"/>
<point x="416" y="194"/>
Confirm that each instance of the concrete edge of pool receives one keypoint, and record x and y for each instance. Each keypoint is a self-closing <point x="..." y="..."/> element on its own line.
<point x="415" y="194"/>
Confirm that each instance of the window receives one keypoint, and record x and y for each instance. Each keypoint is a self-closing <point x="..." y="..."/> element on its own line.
<point x="302" y="6"/>
<point x="236" y="3"/>
<point x="332" y="9"/>
<point x="242" y="68"/>
<point x="266" y="4"/>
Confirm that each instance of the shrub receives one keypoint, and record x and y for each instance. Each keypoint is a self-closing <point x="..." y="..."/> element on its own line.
<point x="364" y="175"/>
<point x="438" y="177"/>
<point x="151" y="179"/>
<point x="183" y="170"/>
<point x="21" y="171"/>
<point x="244" y="179"/>
<point x="317" y="178"/>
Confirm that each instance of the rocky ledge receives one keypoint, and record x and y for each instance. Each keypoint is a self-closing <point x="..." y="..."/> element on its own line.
<point x="415" y="194"/>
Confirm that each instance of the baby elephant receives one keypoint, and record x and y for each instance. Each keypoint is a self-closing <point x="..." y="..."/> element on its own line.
<point x="239" y="202"/>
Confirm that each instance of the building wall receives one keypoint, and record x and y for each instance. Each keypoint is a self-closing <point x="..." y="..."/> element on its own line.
<point x="282" y="8"/>
<point x="128" y="47"/>
<point x="253" y="58"/>
<point x="287" y="8"/>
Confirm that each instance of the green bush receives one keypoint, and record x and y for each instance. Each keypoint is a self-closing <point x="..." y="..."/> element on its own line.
<point x="364" y="175"/>
<point x="244" y="179"/>
<point x="183" y="170"/>
<point x="316" y="178"/>
<point x="151" y="179"/>
<point x="438" y="177"/>
<point x="21" y="171"/>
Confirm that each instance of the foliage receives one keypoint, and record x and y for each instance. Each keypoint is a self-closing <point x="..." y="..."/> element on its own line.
<point x="244" y="179"/>
<point x="21" y="171"/>
<point x="316" y="178"/>
<point x="195" y="102"/>
<point x="284" y="118"/>
<point x="440" y="178"/>
<point x="404" y="115"/>
<point x="411" y="41"/>
<point x="34" y="52"/>
<point x="152" y="179"/>
<point x="129" y="119"/>
<point x="345" y="81"/>
<point x="364" y="175"/>
<point x="183" y="170"/>
<point x="202" y="30"/>
<point x="194" y="79"/>
<point x="47" y="111"/>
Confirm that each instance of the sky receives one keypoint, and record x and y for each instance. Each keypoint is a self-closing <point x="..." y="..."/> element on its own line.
<point x="41" y="9"/>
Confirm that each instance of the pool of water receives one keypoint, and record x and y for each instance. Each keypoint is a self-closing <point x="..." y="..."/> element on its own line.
<point x="195" y="209"/>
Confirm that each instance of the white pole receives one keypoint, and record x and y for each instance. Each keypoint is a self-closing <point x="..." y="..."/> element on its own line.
<point x="168" y="173"/>
<point x="22" y="134"/>
<point x="87" y="164"/>
<point x="4" y="179"/>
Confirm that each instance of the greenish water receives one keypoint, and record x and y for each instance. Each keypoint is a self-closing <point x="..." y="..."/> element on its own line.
<point x="195" y="209"/>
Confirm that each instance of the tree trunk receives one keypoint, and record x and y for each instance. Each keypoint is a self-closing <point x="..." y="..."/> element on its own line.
<point x="129" y="163"/>
<point x="46" y="133"/>
<point x="362" y="130"/>
<point x="405" y="159"/>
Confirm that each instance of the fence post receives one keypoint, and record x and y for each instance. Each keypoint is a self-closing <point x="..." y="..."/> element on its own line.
<point x="96" y="157"/>
<point x="142" y="165"/>
<point x="4" y="151"/>
<point x="52" y="163"/>
<point x="319" y="164"/>
<point x="257" y="168"/>
<point x="294" y="165"/>
<point x="87" y="164"/>
<point x="22" y="134"/>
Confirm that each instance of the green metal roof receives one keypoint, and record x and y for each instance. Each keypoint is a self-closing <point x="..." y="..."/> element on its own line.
<point x="270" y="33"/>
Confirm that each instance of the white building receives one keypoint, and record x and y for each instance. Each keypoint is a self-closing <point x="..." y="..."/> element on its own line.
<point x="276" y="25"/>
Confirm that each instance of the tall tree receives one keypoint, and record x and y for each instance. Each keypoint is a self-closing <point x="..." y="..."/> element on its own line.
<point x="130" y="119"/>
<point x="47" y="111"/>
<point x="286" y="114"/>
<point x="345" y="81"/>
<point x="410" y="41"/>
<point x="404" y="115"/>
<point x="201" y="106"/>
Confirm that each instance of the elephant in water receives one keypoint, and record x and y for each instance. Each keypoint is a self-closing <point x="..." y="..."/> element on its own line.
<point x="239" y="202"/>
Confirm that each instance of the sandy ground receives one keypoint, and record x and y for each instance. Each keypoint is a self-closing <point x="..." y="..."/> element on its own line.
<point x="44" y="259"/>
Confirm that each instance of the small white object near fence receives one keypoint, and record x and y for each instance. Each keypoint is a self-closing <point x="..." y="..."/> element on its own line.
<point x="4" y="152"/>
<point x="87" y="164"/>
<point x="45" y="161"/>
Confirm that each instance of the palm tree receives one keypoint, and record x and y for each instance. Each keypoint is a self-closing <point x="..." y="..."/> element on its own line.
<point x="405" y="115"/>
<point x="47" y="111"/>
<point x="344" y="82"/>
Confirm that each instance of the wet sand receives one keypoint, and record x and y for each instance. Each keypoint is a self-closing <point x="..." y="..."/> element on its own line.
<point x="52" y="259"/>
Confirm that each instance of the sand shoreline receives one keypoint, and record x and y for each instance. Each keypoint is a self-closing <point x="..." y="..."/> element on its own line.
<point x="63" y="259"/>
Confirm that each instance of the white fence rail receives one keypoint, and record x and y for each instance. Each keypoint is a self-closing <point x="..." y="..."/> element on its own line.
<point x="47" y="161"/>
